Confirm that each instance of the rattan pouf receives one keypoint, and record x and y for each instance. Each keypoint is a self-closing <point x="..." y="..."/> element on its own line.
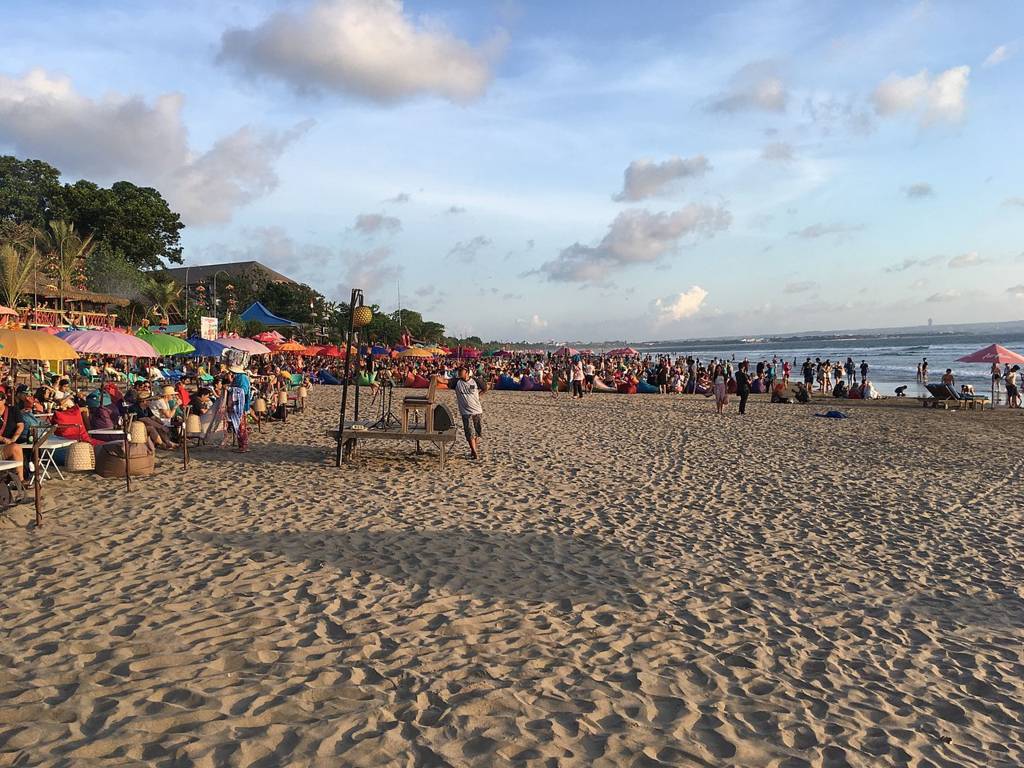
<point x="80" y="458"/>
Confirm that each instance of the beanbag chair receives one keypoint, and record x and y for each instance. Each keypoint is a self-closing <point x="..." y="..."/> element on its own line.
<point x="326" y="378"/>
<point x="646" y="389"/>
<point x="506" y="382"/>
<point x="626" y="388"/>
<point x="600" y="386"/>
<point x="110" y="459"/>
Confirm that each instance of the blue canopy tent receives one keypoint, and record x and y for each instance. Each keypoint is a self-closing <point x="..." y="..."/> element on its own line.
<point x="261" y="314"/>
<point x="206" y="347"/>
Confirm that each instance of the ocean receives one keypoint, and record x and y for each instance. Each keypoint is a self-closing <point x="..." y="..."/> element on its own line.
<point x="892" y="359"/>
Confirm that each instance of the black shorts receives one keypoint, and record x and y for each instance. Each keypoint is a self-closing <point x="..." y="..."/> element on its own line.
<point x="1011" y="390"/>
<point x="471" y="424"/>
<point x="589" y="379"/>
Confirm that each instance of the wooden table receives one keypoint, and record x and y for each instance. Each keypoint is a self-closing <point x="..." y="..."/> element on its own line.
<point x="107" y="435"/>
<point x="350" y="437"/>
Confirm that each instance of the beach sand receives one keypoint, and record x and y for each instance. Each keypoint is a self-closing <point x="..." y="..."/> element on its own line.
<point x="626" y="581"/>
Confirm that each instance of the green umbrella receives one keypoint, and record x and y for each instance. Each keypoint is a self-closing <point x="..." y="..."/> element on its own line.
<point x="164" y="343"/>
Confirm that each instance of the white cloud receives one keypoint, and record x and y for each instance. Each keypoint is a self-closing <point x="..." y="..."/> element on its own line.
<point x="1016" y="291"/>
<point x="906" y="264"/>
<point x="1017" y="201"/>
<point x="535" y="323"/>
<point x="778" y="151"/>
<point x="971" y="259"/>
<point x="815" y="231"/>
<point x="371" y="48"/>
<point x="918" y="190"/>
<point x="800" y="286"/>
<point x="466" y="251"/>
<point x="374" y="223"/>
<point x="943" y="296"/>
<point x="370" y="270"/>
<point x="645" y="178"/>
<point x="635" y="237"/>
<point x="999" y="55"/>
<point x="679" y="306"/>
<point x="756" y="86"/>
<point x="124" y="137"/>
<point x="941" y="98"/>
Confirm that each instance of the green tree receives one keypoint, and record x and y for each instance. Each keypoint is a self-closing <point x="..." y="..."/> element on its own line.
<point x="30" y="192"/>
<point x="162" y="296"/>
<point x="16" y="270"/>
<point x="108" y="271"/>
<point x="133" y="221"/>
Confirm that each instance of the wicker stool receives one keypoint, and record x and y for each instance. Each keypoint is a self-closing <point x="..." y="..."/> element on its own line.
<point x="80" y="458"/>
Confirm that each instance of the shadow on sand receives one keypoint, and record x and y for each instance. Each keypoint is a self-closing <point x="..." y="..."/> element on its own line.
<point x="487" y="564"/>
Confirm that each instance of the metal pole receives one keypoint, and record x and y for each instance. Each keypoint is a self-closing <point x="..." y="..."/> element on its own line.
<point x="357" y="295"/>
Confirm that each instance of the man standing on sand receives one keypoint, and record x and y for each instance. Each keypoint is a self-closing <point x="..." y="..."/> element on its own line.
<point x="863" y="371"/>
<point x="743" y="386"/>
<point x="467" y="396"/>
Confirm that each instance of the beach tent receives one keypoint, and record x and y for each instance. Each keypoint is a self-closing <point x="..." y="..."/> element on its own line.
<point x="993" y="353"/>
<point x="260" y="314"/>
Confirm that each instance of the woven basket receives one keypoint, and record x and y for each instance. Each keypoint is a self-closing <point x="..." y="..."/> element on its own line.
<point x="303" y="392"/>
<point x="138" y="433"/>
<point x="80" y="458"/>
<point x="282" y="398"/>
<point x="260" y="406"/>
<point x="193" y="426"/>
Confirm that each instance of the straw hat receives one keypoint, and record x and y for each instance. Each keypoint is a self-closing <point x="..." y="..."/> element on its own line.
<point x="236" y="369"/>
<point x="167" y="391"/>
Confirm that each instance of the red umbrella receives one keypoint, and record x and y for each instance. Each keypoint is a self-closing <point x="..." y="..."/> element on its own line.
<point x="993" y="353"/>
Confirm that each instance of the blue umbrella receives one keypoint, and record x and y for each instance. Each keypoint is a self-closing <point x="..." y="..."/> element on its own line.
<point x="206" y="347"/>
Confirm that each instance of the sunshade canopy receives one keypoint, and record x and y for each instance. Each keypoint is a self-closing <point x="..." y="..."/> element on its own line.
<point x="108" y="343"/>
<point x="244" y="345"/>
<point x="206" y="347"/>
<point x="165" y="344"/>
<point x="22" y="344"/>
<point x="260" y="314"/>
<point x="415" y="352"/>
<point x="993" y="353"/>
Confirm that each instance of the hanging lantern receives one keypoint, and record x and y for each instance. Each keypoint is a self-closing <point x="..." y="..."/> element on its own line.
<point x="362" y="316"/>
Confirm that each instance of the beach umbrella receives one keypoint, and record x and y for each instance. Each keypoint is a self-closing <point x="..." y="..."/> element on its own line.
<point x="312" y="349"/>
<point x="567" y="351"/>
<point x="415" y="352"/>
<point x="291" y="346"/>
<point x="165" y="344"/>
<point x="378" y="351"/>
<point x="108" y="343"/>
<point x="272" y="337"/>
<point x="22" y="344"/>
<point x="993" y="353"/>
<point x="244" y="345"/>
<point x="206" y="347"/>
<point x="467" y="353"/>
<point x="7" y="311"/>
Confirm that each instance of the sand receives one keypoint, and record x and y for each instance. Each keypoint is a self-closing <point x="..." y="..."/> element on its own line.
<point x="627" y="581"/>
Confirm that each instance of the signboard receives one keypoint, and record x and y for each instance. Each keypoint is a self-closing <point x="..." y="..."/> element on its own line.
<point x="208" y="328"/>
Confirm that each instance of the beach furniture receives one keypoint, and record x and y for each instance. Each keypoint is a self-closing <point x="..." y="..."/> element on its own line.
<point x="947" y="397"/>
<point x="413" y="404"/>
<point x="443" y="438"/>
<point x="110" y="461"/>
<point x="48" y="455"/>
<point x="209" y="422"/>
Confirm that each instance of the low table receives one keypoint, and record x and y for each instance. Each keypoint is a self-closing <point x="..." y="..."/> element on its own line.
<point x="350" y="437"/>
<point x="107" y="435"/>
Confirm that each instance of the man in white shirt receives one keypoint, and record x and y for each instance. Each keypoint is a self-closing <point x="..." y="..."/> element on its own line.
<point x="467" y="396"/>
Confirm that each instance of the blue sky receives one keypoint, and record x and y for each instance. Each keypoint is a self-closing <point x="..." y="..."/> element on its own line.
<point x="791" y="165"/>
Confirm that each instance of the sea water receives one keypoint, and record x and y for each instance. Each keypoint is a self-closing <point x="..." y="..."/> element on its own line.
<point x="892" y="360"/>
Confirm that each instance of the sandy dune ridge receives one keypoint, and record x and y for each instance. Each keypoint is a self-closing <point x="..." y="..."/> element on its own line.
<point x="623" y="581"/>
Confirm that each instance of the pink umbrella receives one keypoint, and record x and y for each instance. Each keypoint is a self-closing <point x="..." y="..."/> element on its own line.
<point x="567" y="351"/>
<point x="5" y="311"/>
<point x="993" y="353"/>
<point x="272" y="336"/>
<point x="108" y="343"/>
<point x="244" y="345"/>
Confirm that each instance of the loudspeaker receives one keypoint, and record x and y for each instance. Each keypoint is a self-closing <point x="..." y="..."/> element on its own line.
<point x="443" y="420"/>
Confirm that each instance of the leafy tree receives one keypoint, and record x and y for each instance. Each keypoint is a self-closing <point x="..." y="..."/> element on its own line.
<point x="108" y="271"/>
<point x="162" y="296"/>
<point x="133" y="221"/>
<point x="16" y="270"/>
<point x="30" y="192"/>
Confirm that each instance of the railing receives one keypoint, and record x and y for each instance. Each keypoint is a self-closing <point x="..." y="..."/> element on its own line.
<point x="46" y="318"/>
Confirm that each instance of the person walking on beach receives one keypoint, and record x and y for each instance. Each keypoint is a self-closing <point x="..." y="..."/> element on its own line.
<point x="924" y="369"/>
<point x="577" y="380"/>
<point x="467" y="397"/>
<point x="743" y="386"/>
<point x="721" y="391"/>
<point x="808" y="370"/>
<point x="1012" y="392"/>
<point x="863" y="371"/>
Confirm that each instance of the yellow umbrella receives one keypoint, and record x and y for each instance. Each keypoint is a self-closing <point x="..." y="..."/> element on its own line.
<point x="22" y="344"/>
<point x="415" y="352"/>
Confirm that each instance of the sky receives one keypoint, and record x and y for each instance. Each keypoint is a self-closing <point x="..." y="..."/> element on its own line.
<point x="559" y="171"/>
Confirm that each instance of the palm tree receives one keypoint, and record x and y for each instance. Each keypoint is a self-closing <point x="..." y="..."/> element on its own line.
<point x="68" y="252"/>
<point x="16" y="270"/>
<point x="162" y="295"/>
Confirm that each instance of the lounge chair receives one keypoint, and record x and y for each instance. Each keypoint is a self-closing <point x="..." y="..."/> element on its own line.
<point x="947" y="397"/>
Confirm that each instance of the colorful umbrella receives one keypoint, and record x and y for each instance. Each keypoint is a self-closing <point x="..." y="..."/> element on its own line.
<point x="5" y="311"/>
<point x="567" y="351"/>
<point x="22" y="344"/>
<point x="108" y="343"/>
<point x="244" y="345"/>
<point x="415" y="352"/>
<point x="165" y="344"/>
<point x="993" y="353"/>
<point x="291" y="346"/>
<point x="206" y="347"/>
<point x="378" y="351"/>
<point x="269" y="336"/>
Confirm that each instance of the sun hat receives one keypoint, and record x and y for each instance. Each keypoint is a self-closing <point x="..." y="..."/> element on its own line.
<point x="167" y="391"/>
<point x="236" y="368"/>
